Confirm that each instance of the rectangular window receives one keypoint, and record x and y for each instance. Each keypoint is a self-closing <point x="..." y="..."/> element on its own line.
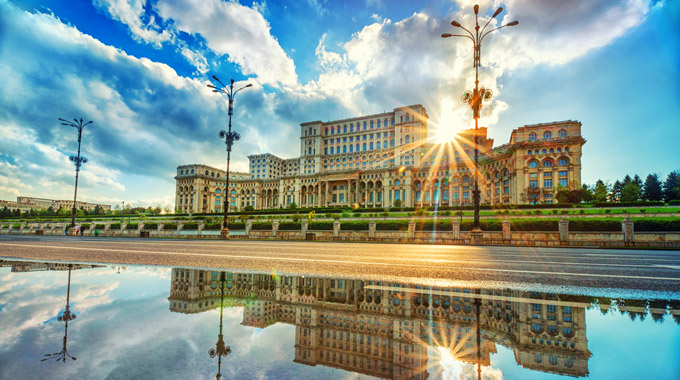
<point x="563" y="182"/>
<point x="533" y="183"/>
<point x="547" y="183"/>
<point x="562" y="173"/>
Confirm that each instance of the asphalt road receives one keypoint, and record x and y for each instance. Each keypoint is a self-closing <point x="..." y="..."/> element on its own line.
<point x="438" y="265"/>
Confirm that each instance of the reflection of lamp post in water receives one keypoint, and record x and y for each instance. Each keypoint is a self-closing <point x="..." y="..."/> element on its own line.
<point x="478" y="304"/>
<point x="67" y="316"/>
<point x="220" y="349"/>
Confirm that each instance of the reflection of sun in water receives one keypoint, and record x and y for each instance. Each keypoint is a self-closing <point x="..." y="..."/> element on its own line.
<point x="449" y="366"/>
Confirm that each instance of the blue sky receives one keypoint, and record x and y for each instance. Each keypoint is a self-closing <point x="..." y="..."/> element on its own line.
<point x="139" y="70"/>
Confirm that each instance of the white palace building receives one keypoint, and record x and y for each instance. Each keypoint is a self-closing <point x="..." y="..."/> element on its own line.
<point x="385" y="160"/>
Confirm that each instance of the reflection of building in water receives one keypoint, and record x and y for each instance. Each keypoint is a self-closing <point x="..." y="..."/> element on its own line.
<point x="384" y="329"/>
<point x="29" y="266"/>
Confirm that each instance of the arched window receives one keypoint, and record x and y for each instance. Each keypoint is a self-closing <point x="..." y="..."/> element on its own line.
<point x="364" y="146"/>
<point x="562" y="162"/>
<point x="532" y="136"/>
<point x="533" y="164"/>
<point x="181" y="172"/>
<point x="529" y="152"/>
<point x="397" y="183"/>
<point x="408" y="138"/>
<point x="547" y="163"/>
<point x="344" y="149"/>
<point x="547" y="135"/>
<point x="344" y="128"/>
<point x="212" y="174"/>
<point x="562" y="133"/>
<point x="506" y="172"/>
<point x="206" y="172"/>
<point x="351" y="148"/>
<point x="543" y="151"/>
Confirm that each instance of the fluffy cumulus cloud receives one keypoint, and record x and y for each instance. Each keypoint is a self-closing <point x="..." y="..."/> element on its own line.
<point x="239" y="32"/>
<point x="148" y="119"/>
<point x="391" y="63"/>
<point x="132" y="13"/>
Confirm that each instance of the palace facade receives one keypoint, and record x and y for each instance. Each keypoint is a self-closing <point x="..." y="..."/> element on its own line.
<point x="26" y="204"/>
<point x="384" y="159"/>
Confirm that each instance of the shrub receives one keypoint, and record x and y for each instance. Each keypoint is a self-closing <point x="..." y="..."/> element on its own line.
<point x="534" y="225"/>
<point x="329" y="215"/>
<point x="430" y="225"/>
<point x="356" y="214"/>
<point x="595" y="225"/>
<point x="238" y="226"/>
<point x="290" y="226"/>
<point x="385" y="214"/>
<point x="262" y="226"/>
<point x="321" y="226"/>
<point x="556" y="211"/>
<point x="657" y="225"/>
<point x="150" y="226"/>
<point x="642" y="210"/>
<point x="114" y="226"/>
<point x="565" y="212"/>
<point x="85" y="226"/>
<point x="607" y="211"/>
<point x="190" y="226"/>
<point x="213" y="226"/>
<point x="582" y="211"/>
<point x="132" y="226"/>
<point x="674" y="202"/>
<point x="336" y="217"/>
<point x="295" y="218"/>
<point x="391" y="225"/>
<point x="99" y="226"/>
<point x="355" y="225"/>
<point x="169" y="226"/>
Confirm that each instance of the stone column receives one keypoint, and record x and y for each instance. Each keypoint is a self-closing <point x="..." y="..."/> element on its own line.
<point x="411" y="229"/>
<point x="123" y="228"/>
<point x="275" y="227"/>
<point x="455" y="228"/>
<point x="201" y="225"/>
<point x="249" y="226"/>
<point x="159" y="228"/>
<point x="507" y="234"/>
<point x="564" y="230"/>
<point x="179" y="227"/>
<point x="628" y="230"/>
<point x="303" y="230"/>
<point x="336" y="228"/>
<point x="371" y="229"/>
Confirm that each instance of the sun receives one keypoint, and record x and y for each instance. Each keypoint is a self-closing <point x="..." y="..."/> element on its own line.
<point x="449" y="124"/>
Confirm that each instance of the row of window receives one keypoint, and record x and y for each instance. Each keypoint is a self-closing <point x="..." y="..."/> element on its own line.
<point x="547" y="135"/>
<point x="548" y="163"/>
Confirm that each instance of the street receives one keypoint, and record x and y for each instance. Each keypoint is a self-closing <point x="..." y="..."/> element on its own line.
<point x="437" y="265"/>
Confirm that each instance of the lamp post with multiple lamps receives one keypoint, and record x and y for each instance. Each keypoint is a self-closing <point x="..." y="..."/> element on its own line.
<point x="78" y="161"/>
<point x="229" y="137"/>
<point x="475" y="98"/>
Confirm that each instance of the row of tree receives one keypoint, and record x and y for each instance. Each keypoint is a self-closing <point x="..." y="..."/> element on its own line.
<point x="626" y="190"/>
<point x="66" y="212"/>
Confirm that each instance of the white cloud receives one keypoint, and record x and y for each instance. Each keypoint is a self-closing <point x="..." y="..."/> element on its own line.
<point x="239" y="32"/>
<point x="131" y="13"/>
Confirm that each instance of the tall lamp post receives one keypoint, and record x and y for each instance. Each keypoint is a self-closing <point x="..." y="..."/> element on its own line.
<point x="229" y="138"/>
<point x="220" y="348"/>
<point x="475" y="97"/>
<point x="78" y="161"/>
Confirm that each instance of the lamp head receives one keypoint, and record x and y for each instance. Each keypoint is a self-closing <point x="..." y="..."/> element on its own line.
<point x="445" y="35"/>
<point x="249" y="85"/>
<point x="512" y="23"/>
<point x="498" y="11"/>
<point x="476" y="8"/>
<point x="456" y="24"/>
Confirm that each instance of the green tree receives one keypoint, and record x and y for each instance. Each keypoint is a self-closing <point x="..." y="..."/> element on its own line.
<point x="293" y="206"/>
<point x="615" y="194"/>
<point x="600" y="191"/>
<point x="671" y="187"/>
<point x="630" y="192"/>
<point x="397" y="203"/>
<point x="652" y="188"/>
<point x="249" y="208"/>
<point x="638" y="181"/>
<point x="587" y="193"/>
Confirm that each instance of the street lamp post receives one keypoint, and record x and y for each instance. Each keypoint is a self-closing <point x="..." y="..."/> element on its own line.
<point x="229" y="138"/>
<point x="78" y="161"/>
<point x="474" y="99"/>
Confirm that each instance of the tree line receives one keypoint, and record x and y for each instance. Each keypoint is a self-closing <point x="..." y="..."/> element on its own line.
<point x="66" y="212"/>
<point x="626" y="190"/>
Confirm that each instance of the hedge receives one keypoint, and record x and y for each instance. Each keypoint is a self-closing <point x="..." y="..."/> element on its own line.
<point x="190" y="226"/>
<point x="674" y="202"/>
<point x="235" y="226"/>
<point x="595" y="225"/>
<point x="214" y="226"/>
<point x="355" y="225"/>
<point x="262" y="226"/>
<point x="85" y="226"/>
<point x="290" y="226"/>
<point x="150" y="226"/>
<point x="320" y="226"/>
<point x="169" y="226"/>
<point x="628" y="204"/>
<point x="656" y="225"/>
<point x="99" y="226"/>
<point x="114" y="226"/>
<point x="132" y="226"/>
<point x="388" y="225"/>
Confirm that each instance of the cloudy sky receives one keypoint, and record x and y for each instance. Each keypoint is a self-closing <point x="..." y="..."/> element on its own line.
<point x="139" y="70"/>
